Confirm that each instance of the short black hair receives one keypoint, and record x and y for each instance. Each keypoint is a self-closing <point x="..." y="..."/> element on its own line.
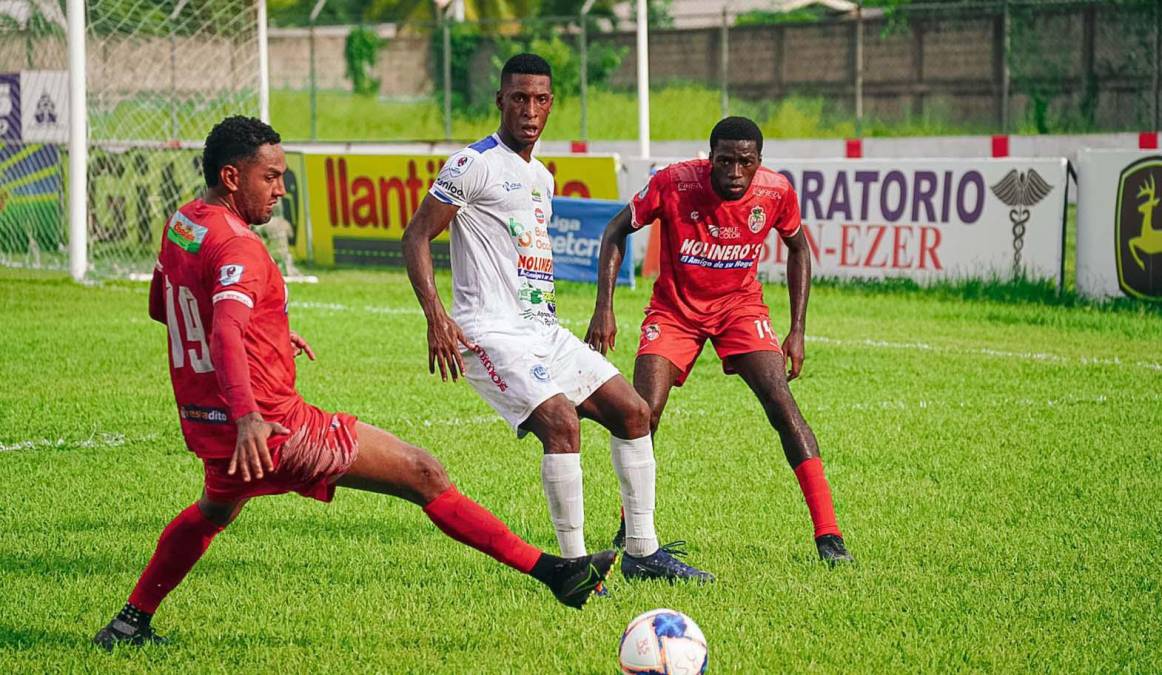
<point x="526" y="64"/>
<point x="233" y="139"/>
<point x="736" y="129"/>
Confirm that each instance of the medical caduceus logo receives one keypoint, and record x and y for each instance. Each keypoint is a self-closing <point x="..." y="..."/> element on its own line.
<point x="1138" y="239"/>
<point x="1020" y="192"/>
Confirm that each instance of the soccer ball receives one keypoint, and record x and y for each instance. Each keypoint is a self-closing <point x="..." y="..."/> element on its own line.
<point x="663" y="642"/>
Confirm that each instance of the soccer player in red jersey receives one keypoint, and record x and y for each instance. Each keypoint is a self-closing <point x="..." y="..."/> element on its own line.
<point x="232" y="365"/>
<point x="714" y="216"/>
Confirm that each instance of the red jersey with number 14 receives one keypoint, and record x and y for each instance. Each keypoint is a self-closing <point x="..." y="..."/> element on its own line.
<point x="711" y="247"/>
<point x="208" y="256"/>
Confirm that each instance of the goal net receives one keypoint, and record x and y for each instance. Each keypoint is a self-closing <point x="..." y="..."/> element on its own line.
<point x="159" y="74"/>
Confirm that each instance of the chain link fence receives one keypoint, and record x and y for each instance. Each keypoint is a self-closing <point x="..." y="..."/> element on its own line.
<point x="1021" y="66"/>
<point x="157" y="73"/>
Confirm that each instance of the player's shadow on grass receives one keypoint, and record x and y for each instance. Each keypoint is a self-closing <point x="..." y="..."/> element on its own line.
<point x="24" y="639"/>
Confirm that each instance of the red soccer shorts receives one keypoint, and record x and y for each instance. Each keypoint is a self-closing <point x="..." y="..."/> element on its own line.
<point x="320" y="448"/>
<point x="679" y="342"/>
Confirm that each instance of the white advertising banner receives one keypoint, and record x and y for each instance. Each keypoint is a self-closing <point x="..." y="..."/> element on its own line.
<point x="1119" y="245"/>
<point x="927" y="219"/>
<point x="44" y="106"/>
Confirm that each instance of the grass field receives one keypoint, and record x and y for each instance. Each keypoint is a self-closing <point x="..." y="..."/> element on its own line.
<point x="994" y="456"/>
<point x="612" y="115"/>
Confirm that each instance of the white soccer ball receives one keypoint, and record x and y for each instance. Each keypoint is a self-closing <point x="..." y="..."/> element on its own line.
<point x="663" y="642"/>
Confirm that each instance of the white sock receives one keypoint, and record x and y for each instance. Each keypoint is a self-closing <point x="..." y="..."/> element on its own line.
<point x="561" y="478"/>
<point x="633" y="461"/>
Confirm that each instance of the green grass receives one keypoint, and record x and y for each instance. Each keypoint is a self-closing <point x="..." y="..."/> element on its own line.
<point x="677" y="112"/>
<point x="993" y="455"/>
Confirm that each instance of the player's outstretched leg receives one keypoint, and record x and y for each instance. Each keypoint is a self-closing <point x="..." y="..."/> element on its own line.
<point x="765" y="373"/>
<point x="387" y="465"/>
<point x="180" y="546"/>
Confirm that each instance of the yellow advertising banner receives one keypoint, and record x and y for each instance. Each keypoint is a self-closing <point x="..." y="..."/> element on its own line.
<point x="360" y="204"/>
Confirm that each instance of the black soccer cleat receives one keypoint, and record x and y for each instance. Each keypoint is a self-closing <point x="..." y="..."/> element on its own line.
<point x="119" y="632"/>
<point x="832" y="551"/>
<point x="575" y="579"/>
<point x="662" y="564"/>
<point x="619" y="538"/>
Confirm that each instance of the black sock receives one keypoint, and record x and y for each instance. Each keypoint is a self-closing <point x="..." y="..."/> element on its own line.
<point x="545" y="569"/>
<point x="134" y="617"/>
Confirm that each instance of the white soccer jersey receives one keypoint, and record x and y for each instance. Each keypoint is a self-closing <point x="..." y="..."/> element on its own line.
<point x="502" y="256"/>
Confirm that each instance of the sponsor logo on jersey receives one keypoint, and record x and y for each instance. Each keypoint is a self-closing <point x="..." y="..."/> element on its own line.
<point x="509" y="186"/>
<point x="489" y="368"/>
<point x="652" y="332"/>
<point x="694" y="215"/>
<point x="230" y="274"/>
<point x="534" y="267"/>
<point x="757" y="219"/>
<point x="718" y="256"/>
<point x="540" y="215"/>
<point x="540" y="373"/>
<point x="537" y="196"/>
<point x="768" y="193"/>
<point x="686" y="186"/>
<point x="200" y="415"/>
<point x="185" y="233"/>
<point x="451" y="188"/>
<point x="457" y="166"/>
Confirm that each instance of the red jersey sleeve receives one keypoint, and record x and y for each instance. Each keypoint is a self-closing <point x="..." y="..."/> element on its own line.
<point x="237" y="270"/>
<point x="646" y="206"/>
<point x="238" y="274"/>
<point x="787" y="224"/>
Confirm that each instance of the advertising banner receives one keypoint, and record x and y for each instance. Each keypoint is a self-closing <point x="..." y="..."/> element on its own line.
<point x="927" y="219"/>
<point x="9" y="106"/>
<point x="44" y="109"/>
<point x="359" y="204"/>
<point x="575" y="229"/>
<point x="1119" y="244"/>
<point x="30" y="198"/>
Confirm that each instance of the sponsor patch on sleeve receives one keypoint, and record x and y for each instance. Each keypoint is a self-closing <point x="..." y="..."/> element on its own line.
<point x="230" y="274"/>
<point x="456" y="166"/>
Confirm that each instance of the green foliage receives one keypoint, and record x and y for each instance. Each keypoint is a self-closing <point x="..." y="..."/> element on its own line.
<point x="564" y="56"/>
<point x="360" y="51"/>
<point x="464" y="40"/>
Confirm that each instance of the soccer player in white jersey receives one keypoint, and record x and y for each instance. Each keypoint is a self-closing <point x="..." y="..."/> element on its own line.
<point x="503" y="335"/>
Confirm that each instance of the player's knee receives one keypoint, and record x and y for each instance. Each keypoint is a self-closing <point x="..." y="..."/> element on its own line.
<point x="564" y="436"/>
<point x="780" y="409"/>
<point x="639" y="419"/>
<point x="428" y="475"/>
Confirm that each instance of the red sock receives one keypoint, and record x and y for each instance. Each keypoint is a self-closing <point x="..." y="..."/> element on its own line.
<point x="470" y="523"/>
<point x="181" y="544"/>
<point x="817" y="494"/>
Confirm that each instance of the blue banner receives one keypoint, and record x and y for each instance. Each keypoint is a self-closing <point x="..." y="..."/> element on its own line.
<point x="576" y="229"/>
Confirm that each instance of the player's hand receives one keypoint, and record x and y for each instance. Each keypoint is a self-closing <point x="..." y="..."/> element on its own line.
<point x="301" y="346"/>
<point x="602" y="331"/>
<point x="444" y="340"/>
<point x="793" y="350"/>
<point x="251" y="456"/>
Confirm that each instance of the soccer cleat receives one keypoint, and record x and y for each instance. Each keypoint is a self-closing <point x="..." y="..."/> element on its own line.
<point x="575" y="579"/>
<point x="118" y="632"/>
<point x="662" y="564"/>
<point x="619" y="538"/>
<point x="832" y="551"/>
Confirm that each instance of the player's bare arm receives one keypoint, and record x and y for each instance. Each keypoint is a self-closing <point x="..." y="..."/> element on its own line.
<point x="603" y="326"/>
<point x="798" y="287"/>
<point x="444" y="335"/>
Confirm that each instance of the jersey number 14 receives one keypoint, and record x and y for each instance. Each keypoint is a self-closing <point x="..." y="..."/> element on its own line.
<point x="198" y="352"/>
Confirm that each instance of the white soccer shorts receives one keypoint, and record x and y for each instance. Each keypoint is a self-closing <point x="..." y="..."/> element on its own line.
<point x="518" y="368"/>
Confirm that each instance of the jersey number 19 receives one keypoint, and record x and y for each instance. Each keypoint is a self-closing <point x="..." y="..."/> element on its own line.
<point x="199" y="351"/>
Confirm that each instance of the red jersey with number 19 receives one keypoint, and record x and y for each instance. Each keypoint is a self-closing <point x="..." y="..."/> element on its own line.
<point x="711" y="247"/>
<point x="208" y="255"/>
